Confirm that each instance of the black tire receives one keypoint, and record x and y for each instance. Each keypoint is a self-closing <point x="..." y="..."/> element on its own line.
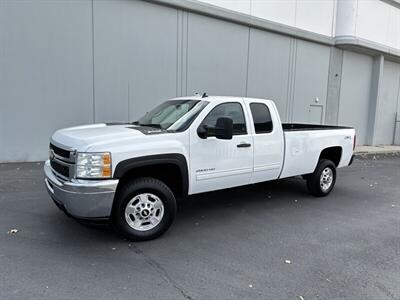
<point x="313" y="180"/>
<point x="139" y="186"/>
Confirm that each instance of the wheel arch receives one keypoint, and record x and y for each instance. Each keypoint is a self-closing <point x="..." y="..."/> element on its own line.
<point x="172" y="169"/>
<point x="334" y="154"/>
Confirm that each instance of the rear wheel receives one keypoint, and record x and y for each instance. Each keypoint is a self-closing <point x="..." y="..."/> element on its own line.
<point x="321" y="182"/>
<point x="144" y="209"/>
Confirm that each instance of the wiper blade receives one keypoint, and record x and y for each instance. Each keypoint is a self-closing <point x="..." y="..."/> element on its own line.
<point x="147" y="125"/>
<point x="150" y="125"/>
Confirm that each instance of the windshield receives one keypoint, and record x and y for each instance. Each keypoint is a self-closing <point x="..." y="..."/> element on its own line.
<point x="176" y="115"/>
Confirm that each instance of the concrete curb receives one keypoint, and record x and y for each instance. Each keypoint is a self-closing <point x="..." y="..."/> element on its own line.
<point x="377" y="151"/>
<point x="377" y="154"/>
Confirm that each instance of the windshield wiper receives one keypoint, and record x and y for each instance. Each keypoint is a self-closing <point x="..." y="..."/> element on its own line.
<point x="150" y="125"/>
<point x="147" y="125"/>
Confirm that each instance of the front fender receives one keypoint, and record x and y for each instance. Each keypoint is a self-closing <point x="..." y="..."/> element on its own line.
<point x="150" y="160"/>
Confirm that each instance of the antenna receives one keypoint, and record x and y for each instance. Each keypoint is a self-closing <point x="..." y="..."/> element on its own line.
<point x="204" y="95"/>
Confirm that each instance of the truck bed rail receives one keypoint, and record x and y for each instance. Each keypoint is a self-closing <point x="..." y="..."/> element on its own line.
<point x="304" y="127"/>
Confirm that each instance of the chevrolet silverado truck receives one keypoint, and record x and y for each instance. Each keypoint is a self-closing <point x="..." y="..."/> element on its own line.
<point x="131" y="174"/>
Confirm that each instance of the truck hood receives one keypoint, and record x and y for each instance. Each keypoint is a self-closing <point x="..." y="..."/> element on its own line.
<point x="83" y="137"/>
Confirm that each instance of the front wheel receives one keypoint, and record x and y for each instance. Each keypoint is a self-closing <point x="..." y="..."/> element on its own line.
<point x="144" y="209"/>
<point x="321" y="182"/>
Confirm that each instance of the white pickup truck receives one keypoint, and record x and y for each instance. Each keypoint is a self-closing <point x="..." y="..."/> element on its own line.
<point x="132" y="173"/>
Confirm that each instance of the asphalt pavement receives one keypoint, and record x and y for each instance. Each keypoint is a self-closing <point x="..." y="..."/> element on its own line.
<point x="266" y="241"/>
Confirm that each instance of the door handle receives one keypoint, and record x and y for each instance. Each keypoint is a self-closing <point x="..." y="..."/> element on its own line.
<point x="243" y="145"/>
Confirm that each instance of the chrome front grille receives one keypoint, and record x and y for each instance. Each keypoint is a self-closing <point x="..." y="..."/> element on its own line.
<point x="60" y="152"/>
<point x="60" y="169"/>
<point x="62" y="161"/>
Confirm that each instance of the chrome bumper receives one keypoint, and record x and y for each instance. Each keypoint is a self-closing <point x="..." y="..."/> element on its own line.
<point x="85" y="199"/>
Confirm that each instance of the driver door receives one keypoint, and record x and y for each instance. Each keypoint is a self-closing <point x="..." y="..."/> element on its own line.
<point x="216" y="163"/>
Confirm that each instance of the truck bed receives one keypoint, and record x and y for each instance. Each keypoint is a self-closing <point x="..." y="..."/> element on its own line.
<point x="305" y="127"/>
<point x="304" y="144"/>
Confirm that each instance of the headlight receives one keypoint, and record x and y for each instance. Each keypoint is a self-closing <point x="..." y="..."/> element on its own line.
<point x="93" y="165"/>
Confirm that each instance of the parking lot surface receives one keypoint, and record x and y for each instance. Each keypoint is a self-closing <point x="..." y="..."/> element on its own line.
<point x="266" y="241"/>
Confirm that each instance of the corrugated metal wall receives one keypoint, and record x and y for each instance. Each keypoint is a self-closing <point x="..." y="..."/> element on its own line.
<point x="66" y="63"/>
<point x="388" y="108"/>
<point x="355" y="93"/>
<point x="46" y="73"/>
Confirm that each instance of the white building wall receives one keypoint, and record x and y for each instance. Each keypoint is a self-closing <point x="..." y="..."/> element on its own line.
<point x="242" y="6"/>
<point x="312" y="15"/>
<point x="373" y="20"/>
<point x="379" y="22"/>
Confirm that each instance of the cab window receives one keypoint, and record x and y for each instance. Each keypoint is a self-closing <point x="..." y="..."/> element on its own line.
<point x="261" y="118"/>
<point x="232" y="110"/>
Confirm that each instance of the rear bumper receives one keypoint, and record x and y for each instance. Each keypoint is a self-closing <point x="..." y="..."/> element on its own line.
<point x="81" y="199"/>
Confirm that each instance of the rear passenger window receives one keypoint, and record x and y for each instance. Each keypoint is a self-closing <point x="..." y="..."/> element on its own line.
<point x="261" y="117"/>
<point x="232" y="110"/>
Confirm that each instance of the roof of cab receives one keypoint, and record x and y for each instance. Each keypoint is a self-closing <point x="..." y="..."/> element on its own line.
<point x="215" y="98"/>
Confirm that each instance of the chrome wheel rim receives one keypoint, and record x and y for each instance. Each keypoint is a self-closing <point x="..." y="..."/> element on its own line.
<point x="326" y="179"/>
<point x="144" y="212"/>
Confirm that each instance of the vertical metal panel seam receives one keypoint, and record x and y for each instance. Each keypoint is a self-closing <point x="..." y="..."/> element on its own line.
<point x="181" y="52"/>
<point x="129" y="100"/>
<point x="340" y="84"/>
<point x="288" y="87"/>
<point x="374" y="99"/>
<point x="331" y="68"/>
<point x="93" y="69"/>
<point x="328" y="81"/>
<point x="187" y="52"/>
<point x="248" y="59"/>
<point x="177" y="54"/>
<point x="2" y="67"/>
<point x="327" y="86"/>
<point x="184" y="52"/>
<point x="398" y="98"/>
<point x="398" y="94"/>
<point x="379" y="92"/>
<point x="397" y="110"/>
<point x="293" y="79"/>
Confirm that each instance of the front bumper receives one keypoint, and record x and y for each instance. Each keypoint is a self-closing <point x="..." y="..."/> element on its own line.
<point x="81" y="199"/>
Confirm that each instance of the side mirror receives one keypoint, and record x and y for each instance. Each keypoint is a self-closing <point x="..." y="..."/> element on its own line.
<point x="224" y="128"/>
<point x="202" y="131"/>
